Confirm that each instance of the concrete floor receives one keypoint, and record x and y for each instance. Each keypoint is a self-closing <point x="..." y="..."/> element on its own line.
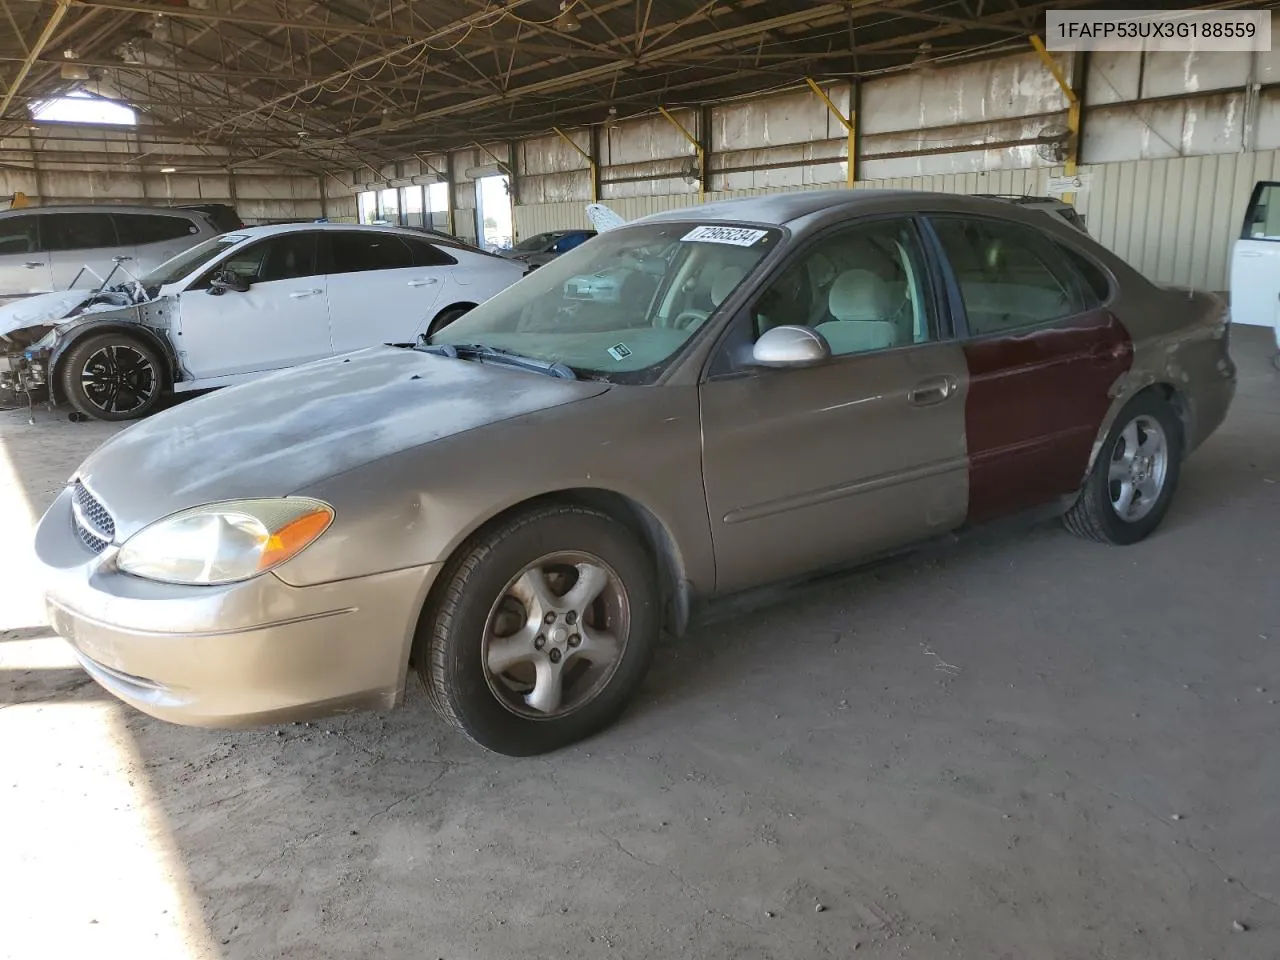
<point x="1019" y="746"/>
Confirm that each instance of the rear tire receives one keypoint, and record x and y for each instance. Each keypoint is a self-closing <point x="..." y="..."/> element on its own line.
<point x="542" y="631"/>
<point x="444" y="318"/>
<point x="112" y="376"/>
<point x="1132" y="482"/>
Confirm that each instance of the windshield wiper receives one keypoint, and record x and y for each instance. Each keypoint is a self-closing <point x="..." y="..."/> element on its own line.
<point x="473" y="351"/>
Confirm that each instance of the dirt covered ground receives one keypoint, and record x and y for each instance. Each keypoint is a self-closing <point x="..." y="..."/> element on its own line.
<point x="1019" y="746"/>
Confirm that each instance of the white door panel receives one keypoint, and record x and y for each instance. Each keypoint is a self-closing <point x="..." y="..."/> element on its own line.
<point x="280" y="321"/>
<point x="24" y="270"/>
<point x="23" y="274"/>
<point x="77" y="241"/>
<point x="1255" y="261"/>
<point x="382" y="306"/>
<point x="272" y="325"/>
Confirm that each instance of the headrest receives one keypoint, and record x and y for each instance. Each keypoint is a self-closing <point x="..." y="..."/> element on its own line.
<point x="859" y="295"/>
<point x="724" y="283"/>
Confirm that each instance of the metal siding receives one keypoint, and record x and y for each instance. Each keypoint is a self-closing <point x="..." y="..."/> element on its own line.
<point x="1172" y="219"/>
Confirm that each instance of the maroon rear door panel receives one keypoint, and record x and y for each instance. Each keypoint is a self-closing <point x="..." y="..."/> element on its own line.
<point x="1036" y="400"/>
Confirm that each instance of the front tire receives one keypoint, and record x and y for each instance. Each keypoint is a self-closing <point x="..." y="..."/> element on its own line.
<point x="112" y="376"/>
<point x="542" y="632"/>
<point x="1132" y="482"/>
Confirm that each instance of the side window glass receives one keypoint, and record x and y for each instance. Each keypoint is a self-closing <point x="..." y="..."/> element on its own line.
<point x="17" y="235"/>
<point x="428" y="255"/>
<point x="1097" y="288"/>
<point x="1262" y="221"/>
<point x="288" y="257"/>
<point x="77" y="231"/>
<point x="284" y="257"/>
<point x="142" y="228"/>
<point x="863" y="288"/>
<point x="356" y="252"/>
<point x="1006" y="275"/>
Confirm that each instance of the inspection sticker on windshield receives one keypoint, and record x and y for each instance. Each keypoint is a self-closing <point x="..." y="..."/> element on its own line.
<point x="736" y="236"/>
<point x="619" y="352"/>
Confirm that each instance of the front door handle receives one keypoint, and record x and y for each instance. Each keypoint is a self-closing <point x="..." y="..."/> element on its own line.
<point x="423" y="283"/>
<point x="931" y="391"/>
<point x="299" y="294"/>
<point x="1250" y="253"/>
<point x="120" y="259"/>
<point x="32" y="264"/>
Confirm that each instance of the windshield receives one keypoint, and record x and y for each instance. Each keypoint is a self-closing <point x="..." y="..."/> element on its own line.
<point x="621" y="306"/>
<point x="175" y="268"/>
<point x="537" y="243"/>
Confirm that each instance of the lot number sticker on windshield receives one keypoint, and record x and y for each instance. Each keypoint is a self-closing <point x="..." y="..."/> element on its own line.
<point x="619" y="352"/>
<point x="736" y="236"/>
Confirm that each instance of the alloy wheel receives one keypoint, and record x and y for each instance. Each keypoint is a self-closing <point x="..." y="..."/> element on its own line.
<point x="555" y="635"/>
<point x="1139" y="468"/>
<point x="118" y="378"/>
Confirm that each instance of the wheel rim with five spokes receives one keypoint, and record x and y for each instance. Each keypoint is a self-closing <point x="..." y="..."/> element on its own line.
<point x="556" y="635"/>
<point x="1139" y="468"/>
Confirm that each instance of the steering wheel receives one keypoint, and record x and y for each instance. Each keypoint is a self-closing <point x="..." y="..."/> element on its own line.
<point x="686" y="319"/>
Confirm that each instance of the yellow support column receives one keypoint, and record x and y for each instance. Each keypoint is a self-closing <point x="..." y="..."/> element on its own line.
<point x="850" y="124"/>
<point x="1073" y="112"/>
<point x="702" y="158"/>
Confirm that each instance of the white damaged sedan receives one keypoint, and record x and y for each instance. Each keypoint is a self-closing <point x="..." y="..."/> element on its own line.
<point x="238" y="306"/>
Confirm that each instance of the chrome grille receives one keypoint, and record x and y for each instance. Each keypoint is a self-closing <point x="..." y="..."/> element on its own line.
<point x="93" y="523"/>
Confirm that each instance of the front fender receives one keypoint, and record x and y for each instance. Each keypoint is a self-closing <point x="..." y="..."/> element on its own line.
<point x="74" y="331"/>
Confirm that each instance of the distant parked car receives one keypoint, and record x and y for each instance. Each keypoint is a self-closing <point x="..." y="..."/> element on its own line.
<point x="545" y="247"/>
<point x="45" y="248"/>
<point x="221" y="215"/>
<point x="237" y="306"/>
<point x="1053" y="206"/>
<point x="518" y="507"/>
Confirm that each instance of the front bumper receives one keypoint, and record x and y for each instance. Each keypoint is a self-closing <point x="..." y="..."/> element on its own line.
<point x="21" y="374"/>
<point x="242" y="654"/>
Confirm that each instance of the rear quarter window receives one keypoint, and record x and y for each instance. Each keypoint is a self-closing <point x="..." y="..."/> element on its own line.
<point x="143" y="228"/>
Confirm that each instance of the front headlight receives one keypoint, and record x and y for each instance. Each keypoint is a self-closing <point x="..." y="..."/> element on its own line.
<point x="224" y="542"/>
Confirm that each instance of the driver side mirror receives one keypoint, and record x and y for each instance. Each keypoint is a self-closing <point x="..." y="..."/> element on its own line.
<point x="790" y="346"/>
<point x="226" y="280"/>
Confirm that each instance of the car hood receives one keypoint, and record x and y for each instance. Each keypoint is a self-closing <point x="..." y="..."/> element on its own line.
<point x="282" y="433"/>
<point x="44" y="309"/>
<point x="54" y="309"/>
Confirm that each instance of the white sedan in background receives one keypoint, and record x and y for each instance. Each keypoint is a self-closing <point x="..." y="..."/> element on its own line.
<point x="238" y="306"/>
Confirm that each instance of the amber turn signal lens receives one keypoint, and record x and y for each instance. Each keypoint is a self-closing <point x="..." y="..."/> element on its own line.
<point x="293" y="537"/>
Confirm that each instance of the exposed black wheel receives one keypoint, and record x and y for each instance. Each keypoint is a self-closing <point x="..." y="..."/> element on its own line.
<point x="444" y="318"/>
<point x="112" y="376"/>
<point x="1132" y="482"/>
<point x="542" y="632"/>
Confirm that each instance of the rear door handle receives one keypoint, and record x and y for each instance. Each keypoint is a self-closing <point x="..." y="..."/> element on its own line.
<point x="1250" y="253"/>
<point x="32" y="264"/>
<point x="299" y="294"/>
<point x="931" y="391"/>
<point x="423" y="283"/>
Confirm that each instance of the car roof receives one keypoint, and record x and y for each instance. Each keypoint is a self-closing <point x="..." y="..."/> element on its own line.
<point x="783" y="208"/>
<point x="186" y="212"/>
<point x="270" y="229"/>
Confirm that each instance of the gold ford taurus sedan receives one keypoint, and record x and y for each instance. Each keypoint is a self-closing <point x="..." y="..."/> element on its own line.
<point x="684" y="407"/>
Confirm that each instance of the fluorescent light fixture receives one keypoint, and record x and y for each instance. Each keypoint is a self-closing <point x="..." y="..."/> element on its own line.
<point x="168" y="169"/>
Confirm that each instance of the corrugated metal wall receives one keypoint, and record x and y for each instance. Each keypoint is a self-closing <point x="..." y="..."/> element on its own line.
<point x="1173" y="219"/>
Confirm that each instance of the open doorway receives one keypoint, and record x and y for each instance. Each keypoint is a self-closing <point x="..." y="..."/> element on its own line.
<point x="493" y="213"/>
